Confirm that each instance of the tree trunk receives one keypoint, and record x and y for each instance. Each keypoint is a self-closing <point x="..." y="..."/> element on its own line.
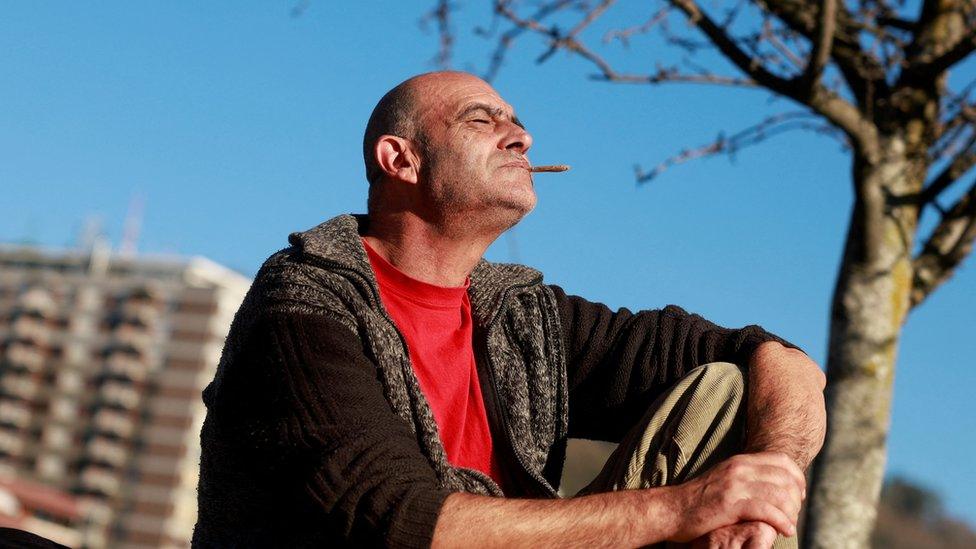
<point x="870" y="302"/>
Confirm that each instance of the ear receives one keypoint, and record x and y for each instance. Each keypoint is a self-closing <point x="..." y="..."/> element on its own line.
<point x="396" y="157"/>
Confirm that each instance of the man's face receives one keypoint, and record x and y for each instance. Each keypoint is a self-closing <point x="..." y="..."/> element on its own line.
<point x="474" y="159"/>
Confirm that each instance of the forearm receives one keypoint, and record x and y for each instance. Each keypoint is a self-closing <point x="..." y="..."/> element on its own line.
<point x="761" y="487"/>
<point x="629" y="518"/>
<point x="785" y="409"/>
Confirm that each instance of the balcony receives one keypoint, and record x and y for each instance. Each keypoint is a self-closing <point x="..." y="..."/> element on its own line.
<point x="140" y="313"/>
<point x="119" y="395"/>
<point x="57" y="437"/>
<point x="30" y="327"/>
<point x="125" y="367"/>
<point x="11" y="444"/>
<point x="127" y="335"/>
<point x="20" y="386"/>
<point x="37" y="301"/>
<point x="14" y="414"/>
<point x="26" y="354"/>
<point x="106" y="452"/>
<point x="100" y="481"/>
<point x="113" y="422"/>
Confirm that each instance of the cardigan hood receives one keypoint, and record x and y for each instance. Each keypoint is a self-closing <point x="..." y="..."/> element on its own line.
<point x="337" y="241"/>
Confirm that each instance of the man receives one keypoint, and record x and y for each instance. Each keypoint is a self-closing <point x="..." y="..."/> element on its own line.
<point x="384" y="385"/>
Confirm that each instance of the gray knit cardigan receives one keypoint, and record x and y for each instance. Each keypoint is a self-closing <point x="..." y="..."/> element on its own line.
<point x="517" y="313"/>
<point x="559" y="365"/>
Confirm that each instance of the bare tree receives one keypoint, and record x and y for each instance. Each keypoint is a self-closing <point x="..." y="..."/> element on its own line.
<point x="875" y="76"/>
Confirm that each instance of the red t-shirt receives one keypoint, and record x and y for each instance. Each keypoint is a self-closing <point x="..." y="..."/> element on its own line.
<point x="436" y="323"/>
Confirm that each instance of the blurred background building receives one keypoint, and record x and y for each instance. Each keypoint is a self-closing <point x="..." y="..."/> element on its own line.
<point x="103" y="358"/>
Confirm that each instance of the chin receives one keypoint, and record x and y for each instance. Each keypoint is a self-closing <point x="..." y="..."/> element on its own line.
<point x="502" y="217"/>
<point x="517" y="212"/>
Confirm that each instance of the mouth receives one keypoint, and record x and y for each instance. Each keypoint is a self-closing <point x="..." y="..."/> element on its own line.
<point x="517" y="164"/>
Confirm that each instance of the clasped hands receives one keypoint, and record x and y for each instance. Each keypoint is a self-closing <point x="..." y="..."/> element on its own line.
<point x="743" y="501"/>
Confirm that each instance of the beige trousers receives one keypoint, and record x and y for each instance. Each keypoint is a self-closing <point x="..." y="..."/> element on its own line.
<point x="695" y="425"/>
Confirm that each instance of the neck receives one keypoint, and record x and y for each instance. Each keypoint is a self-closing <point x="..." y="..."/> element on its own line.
<point x="427" y="252"/>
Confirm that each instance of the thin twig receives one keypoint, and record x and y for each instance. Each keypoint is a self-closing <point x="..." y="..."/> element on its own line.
<point x="730" y="145"/>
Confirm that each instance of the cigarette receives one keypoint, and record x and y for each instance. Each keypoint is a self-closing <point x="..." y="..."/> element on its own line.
<point x="552" y="168"/>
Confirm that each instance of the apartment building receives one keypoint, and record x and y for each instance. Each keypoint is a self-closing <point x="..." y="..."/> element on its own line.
<point x="103" y="359"/>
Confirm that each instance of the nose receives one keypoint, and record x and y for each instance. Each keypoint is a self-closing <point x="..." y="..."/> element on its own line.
<point x="516" y="138"/>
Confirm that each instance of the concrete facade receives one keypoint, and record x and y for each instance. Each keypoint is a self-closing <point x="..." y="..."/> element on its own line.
<point x="103" y="360"/>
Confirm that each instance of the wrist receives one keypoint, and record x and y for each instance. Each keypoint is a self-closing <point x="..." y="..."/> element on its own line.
<point x="666" y="510"/>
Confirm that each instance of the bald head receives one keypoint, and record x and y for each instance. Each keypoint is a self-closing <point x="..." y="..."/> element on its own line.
<point x="446" y="147"/>
<point x="397" y="114"/>
<point x="393" y="115"/>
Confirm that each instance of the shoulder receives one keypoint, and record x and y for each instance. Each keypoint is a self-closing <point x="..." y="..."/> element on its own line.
<point x="323" y="272"/>
<point x="288" y="282"/>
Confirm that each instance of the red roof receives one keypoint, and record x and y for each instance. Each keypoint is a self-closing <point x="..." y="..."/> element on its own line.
<point x="36" y="496"/>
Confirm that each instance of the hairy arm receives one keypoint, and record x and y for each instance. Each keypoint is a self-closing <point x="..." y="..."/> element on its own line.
<point x="620" y="519"/>
<point x="785" y="406"/>
<point x="784" y="413"/>
<point x="761" y="487"/>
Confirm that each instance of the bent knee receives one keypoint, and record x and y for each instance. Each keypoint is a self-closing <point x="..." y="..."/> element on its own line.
<point x="723" y="370"/>
<point x="720" y="378"/>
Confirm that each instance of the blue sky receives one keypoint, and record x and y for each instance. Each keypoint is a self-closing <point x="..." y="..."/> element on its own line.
<point x="237" y="124"/>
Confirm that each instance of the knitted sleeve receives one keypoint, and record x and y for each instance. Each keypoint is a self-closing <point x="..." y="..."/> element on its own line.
<point x="619" y="362"/>
<point x="300" y="445"/>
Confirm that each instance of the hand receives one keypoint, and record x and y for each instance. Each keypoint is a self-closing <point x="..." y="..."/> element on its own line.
<point x="766" y="487"/>
<point x="745" y="535"/>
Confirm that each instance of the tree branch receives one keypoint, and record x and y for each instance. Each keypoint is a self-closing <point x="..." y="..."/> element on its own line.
<point x="665" y="75"/>
<point x="896" y="23"/>
<point x="864" y="75"/>
<point x="770" y="36"/>
<point x="944" y="37"/>
<point x="732" y="51"/>
<point x="592" y="16"/>
<point x="830" y="105"/>
<point x="961" y="116"/>
<point x="570" y="43"/>
<point x="821" y="47"/>
<point x="441" y="14"/>
<point x="956" y="53"/>
<point x="624" y="34"/>
<point x="731" y="145"/>
<point x="834" y="108"/>
<point x="960" y="164"/>
<point x="950" y="243"/>
<point x="509" y="36"/>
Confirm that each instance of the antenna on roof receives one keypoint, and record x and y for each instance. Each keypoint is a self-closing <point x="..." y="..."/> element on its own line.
<point x="91" y="231"/>
<point x="133" y="225"/>
<point x="92" y="241"/>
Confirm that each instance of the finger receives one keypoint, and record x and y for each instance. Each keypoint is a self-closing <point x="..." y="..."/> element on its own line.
<point x="755" y="535"/>
<point x="780" y="477"/>
<point x="743" y="537"/>
<point x="773" y="459"/>
<point x="737" y="535"/>
<point x="793" y="469"/>
<point x="766" y="537"/>
<point x="783" y="499"/>
<point x="754" y="542"/>
<point x="769" y="484"/>
<point x="761" y="541"/>
<point x="764" y="511"/>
